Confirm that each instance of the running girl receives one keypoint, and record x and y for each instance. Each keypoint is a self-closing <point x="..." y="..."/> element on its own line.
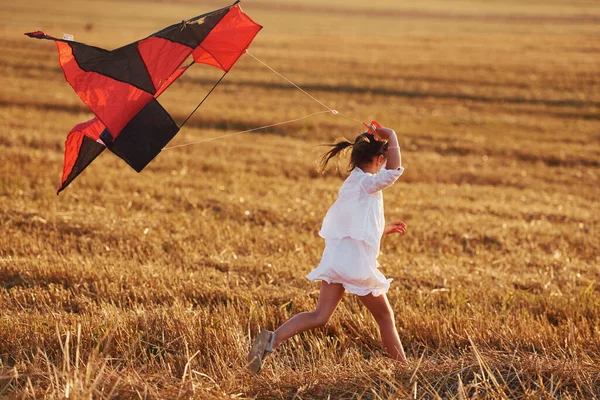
<point x="352" y="230"/>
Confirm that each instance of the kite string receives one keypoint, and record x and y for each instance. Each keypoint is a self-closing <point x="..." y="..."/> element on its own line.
<point x="329" y="110"/>
<point x="292" y="83"/>
<point x="246" y="131"/>
<point x="302" y="90"/>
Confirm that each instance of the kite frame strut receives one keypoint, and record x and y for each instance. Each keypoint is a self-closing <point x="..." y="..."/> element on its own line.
<point x="202" y="101"/>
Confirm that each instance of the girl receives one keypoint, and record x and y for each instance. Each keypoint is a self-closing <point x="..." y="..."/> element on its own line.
<point x="352" y="230"/>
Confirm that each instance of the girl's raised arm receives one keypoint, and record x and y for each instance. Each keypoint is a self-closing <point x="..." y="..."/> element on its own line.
<point x="394" y="159"/>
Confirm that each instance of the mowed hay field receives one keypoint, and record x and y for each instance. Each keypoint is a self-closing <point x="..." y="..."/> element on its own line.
<point x="152" y="285"/>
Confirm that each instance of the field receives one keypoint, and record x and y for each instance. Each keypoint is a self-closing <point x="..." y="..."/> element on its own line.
<point x="153" y="285"/>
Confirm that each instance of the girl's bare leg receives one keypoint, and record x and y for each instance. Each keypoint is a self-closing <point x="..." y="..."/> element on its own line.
<point x="329" y="298"/>
<point x="384" y="315"/>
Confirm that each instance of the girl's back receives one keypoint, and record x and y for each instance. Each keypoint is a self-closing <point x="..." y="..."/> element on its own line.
<point x="358" y="211"/>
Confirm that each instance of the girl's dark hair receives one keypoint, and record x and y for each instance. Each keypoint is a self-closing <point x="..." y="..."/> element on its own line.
<point x="364" y="148"/>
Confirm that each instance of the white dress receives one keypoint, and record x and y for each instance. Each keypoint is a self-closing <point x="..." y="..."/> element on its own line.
<point x="352" y="230"/>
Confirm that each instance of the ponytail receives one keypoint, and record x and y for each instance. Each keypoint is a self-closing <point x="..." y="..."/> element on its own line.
<point x="336" y="149"/>
<point x="364" y="148"/>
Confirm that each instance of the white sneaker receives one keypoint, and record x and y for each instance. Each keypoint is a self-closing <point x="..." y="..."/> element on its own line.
<point x="262" y="346"/>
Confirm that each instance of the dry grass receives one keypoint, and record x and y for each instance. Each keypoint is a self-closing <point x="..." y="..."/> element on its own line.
<point x="151" y="285"/>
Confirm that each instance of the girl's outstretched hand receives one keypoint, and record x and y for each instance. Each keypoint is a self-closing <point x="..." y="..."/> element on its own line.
<point x="394" y="227"/>
<point x="384" y="133"/>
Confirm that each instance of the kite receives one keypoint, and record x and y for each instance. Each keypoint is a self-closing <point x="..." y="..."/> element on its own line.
<point x="121" y="86"/>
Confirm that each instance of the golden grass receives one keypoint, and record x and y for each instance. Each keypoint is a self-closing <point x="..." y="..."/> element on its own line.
<point x="152" y="285"/>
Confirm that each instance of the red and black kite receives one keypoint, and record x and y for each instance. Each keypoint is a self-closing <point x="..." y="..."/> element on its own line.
<point x="121" y="86"/>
